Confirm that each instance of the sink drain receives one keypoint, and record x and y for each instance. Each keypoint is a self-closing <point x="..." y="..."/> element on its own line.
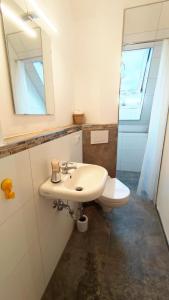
<point x="79" y="188"/>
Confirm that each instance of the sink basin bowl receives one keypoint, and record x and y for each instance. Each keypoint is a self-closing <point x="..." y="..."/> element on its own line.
<point x="86" y="183"/>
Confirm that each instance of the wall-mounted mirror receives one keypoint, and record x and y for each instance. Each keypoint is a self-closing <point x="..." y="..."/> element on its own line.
<point x="29" y="60"/>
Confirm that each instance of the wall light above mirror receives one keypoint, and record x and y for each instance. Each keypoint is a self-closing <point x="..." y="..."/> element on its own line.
<point x="29" y="59"/>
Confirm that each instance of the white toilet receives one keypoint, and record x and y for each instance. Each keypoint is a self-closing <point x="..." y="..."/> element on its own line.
<point x="115" y="194"/>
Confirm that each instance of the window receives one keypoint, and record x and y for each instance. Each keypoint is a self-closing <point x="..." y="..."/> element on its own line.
<point x="134" y="76"/>
<point x="38" y="65"/>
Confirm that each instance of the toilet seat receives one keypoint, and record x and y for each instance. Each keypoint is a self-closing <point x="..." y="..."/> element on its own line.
<point x="115" y="194"/>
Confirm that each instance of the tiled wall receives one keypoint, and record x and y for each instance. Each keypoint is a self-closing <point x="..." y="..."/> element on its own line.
<point x="101" y="154"/>
<point x="147" y="22"/>
<point x="131" y="148"/>
<point x="32" y="234"/>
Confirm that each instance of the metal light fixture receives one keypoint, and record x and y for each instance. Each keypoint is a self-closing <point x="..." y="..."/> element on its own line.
<point x="38" y="11"/>
<point x="9" y="13"/>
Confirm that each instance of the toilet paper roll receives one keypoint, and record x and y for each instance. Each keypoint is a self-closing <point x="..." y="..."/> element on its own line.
<point x="82" y="224"/>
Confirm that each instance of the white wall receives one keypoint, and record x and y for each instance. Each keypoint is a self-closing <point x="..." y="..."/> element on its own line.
<point x="163" y="188"/>
<point x="98" y="38"/>
<point x="98" y="34"/>
<point x="152" y="20"/>
<point x="87" y="51"/>
<point x="62" y="44"/>
<point x="32" y="234"/>
<point x="130" y="151"/>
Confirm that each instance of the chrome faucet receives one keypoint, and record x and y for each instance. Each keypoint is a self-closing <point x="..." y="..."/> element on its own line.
<point x="66" y="166"/>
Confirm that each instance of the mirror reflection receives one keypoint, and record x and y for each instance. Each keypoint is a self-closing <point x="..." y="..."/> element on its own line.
<point x="25" y="59"/>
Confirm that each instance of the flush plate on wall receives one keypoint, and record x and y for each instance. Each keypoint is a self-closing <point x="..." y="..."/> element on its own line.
<point x="99" y="137"/>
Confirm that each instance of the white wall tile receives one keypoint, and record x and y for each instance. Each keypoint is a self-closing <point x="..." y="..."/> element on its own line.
<point x="130" y="152"/>
<point x="54" y="240"/>
<point x="164" y="20"/>
<point x="141" y="19"/>
<point x="32" y="234"/>
<point x="162" y="33"/>
<point x="10" y="287"/>
<point x="139" y="37"/>
<point x="16" y="236"/>
<point x="16" y="167"/>
<point x="26" y="281"/>
<point x="64" y="148"/>
<point x="30" y="273"/>
<point x="54" y="227"/>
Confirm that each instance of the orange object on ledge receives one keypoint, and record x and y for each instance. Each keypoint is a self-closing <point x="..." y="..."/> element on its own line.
<point x="78" y="118"/>
<point x="6" y="187"/>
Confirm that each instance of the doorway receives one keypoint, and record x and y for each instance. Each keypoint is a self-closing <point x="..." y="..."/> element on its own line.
<point x="139" y="71"/>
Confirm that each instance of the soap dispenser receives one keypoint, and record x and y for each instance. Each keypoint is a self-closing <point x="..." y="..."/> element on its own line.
<point x="56" y="175"/>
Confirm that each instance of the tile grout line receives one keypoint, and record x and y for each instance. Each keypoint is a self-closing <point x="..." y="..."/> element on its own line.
<point x="36" y="220"/>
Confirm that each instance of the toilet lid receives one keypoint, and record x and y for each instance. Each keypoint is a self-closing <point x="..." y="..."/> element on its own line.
<point x="115" y="189"/>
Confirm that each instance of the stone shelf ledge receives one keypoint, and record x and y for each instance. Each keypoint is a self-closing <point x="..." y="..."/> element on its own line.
<point x="20" y="143"/>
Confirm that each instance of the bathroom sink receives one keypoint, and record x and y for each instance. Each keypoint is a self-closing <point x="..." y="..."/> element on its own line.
<point x="86" y="183"/>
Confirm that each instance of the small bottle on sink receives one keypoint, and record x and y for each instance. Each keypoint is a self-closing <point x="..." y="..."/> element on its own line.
<point x="56" y="175"/>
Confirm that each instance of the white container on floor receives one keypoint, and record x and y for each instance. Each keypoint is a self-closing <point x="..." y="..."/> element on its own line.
<point x="82" y="224"/>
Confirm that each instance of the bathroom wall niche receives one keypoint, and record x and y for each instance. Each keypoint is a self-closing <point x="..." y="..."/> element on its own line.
<point x="142" y="96"/>
<point x="29" y="60"/>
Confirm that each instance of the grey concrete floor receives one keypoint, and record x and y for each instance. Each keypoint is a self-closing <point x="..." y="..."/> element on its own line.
<point x="123" y="256"/>
<point x="131" y="179"/>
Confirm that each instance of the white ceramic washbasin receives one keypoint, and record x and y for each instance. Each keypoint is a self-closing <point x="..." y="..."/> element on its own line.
<point x="86" y="183"/>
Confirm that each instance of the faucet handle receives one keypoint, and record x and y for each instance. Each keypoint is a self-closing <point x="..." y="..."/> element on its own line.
<point x="55" y="165"/>
<point x="64" y="164"/>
